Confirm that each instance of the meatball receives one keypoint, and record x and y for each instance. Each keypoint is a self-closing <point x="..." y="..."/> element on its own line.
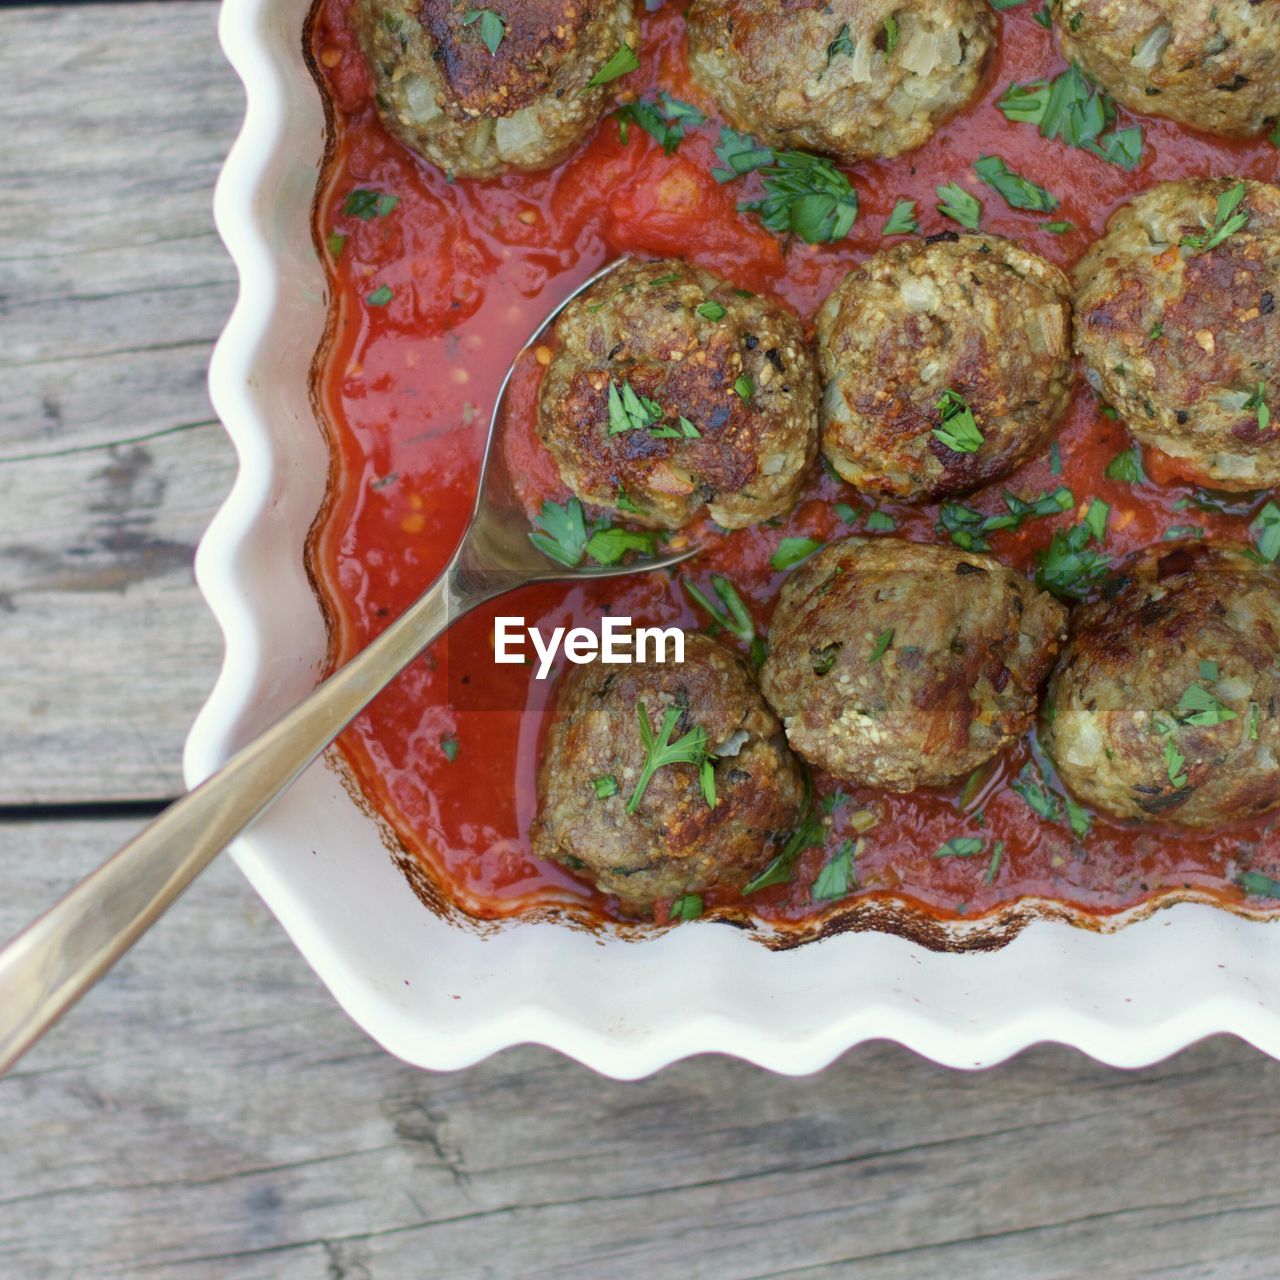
<point x="670" y="392"/>
<point x="1213" y="64"/>
<point x="674" y="842"/>
<point x="853" y="78"/>
<point x="899" y="665"/>
<point x="477" y="113"/>
<point x="1182" y="335"/>
<point x="1166" y="701"/>
<point x="924" y="330"/>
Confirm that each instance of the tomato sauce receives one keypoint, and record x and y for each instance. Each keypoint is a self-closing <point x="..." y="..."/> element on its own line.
<point x="448" y="753"/>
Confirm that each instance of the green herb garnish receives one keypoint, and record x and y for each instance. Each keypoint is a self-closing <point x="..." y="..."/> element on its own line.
<point x="1018" y="192"/>
<point x="1070" y="568"/>
<point x="665" y="119"/>
<point x="604" y="786"/>
<point x="629" y="411"/>
<point x="623" y="62"/>
<point x="660" y="752"/>
<point x="492" y="27"/>
<point x="1126" y="466"/>
<point x="836" y="878"/>
<point x="1229" y="219"/>
<point x="959" y="431"/>
<point x="733" y="618"/>
<point x="449" y="746"/>
<point x="792" y="550"/>
<point x="807" y="196"/>
<point x="969" y="528"/>
<point x="380" y="297"/>
<point x="1198" y="706"/>
<point x="688" y="906"/>
<point x="956" y="203"/>
<point x="365" y="204"/>
<point x="961" y="847"/>
<point x="902" y="221"/>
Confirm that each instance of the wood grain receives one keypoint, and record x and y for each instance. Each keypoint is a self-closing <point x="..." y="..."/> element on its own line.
<point x="209" y="1112"/>
<point x="113" y="286"/>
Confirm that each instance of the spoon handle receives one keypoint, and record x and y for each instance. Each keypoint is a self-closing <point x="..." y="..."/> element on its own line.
<point x="57" y="958"/>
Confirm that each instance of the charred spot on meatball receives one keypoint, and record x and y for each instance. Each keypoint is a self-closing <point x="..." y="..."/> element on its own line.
<point x="670" y="392"/>
<point x="900" y="665"/>
<point x="1212" y="64"/>
<point x="478" y="111"/>
<point x="1165" y="703"/>
<point x="930" y="328"/>
<point x="671" y="841"/>
<point x="1173" y="322"/>
<point x="852" y="78"/>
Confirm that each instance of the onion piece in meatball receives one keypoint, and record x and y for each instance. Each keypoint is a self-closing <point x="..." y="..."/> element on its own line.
<point x="672" y="842"/>
<point x="900" y="665"/>
<point x="671" y="393"/>
<point x="1212" y="64"/>
<point x="852" y="78"/>
<point x="1178" y="320"/>
<point x="926" y="330"/>
<point x="1165" y="703"/>
<point x="479" y="112"/>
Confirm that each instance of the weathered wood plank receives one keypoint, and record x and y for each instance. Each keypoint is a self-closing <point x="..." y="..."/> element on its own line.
<point x="113" y="124"/>
<point x="209" y="1112"/>
<point x="113" y="286"/>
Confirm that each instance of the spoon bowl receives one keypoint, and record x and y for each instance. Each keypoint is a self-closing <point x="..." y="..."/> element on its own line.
<point x="57" y="958"/>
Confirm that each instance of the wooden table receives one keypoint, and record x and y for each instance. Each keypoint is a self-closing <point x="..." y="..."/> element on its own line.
<point x="208" y="1111"/>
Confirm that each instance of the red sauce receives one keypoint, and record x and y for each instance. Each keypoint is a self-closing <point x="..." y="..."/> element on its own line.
<point x="407" y="389"/>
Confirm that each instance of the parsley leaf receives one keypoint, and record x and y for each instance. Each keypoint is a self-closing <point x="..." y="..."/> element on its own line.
<point x="561" y="532"/>
<point x="1070" y="108"/>
<point x="807" y="196"/>
<point x="836" y="878"/>
<point x="1229" y="219"/>
<point x="968" y="528"/>
<point x="1173" y="762"/>
<point x="449" y="746"/>
<point x="609" y="545"/>
<point x="740" y="154"/>
<point x="712" y="311"/>
<point x="808" y="835"/>
<point x="879" y="522"/>
<point x="902" y="221"/>
<point x="1018" y="192"/>
<point x="842" y="45"/>
<point x="1069" y="568"/>
<point x="792" y="550"/>
<point x="1258" y="402"/>
<point x="1126" y="466"/>
<point x="1267" y="529"/>
<point x="365" y="204"/>
<point x="492" y="27"/>
<point x="1198" y="706"/>
<point x="380" y="296"/>
<point x="623" y="62"/>
<point x="1256" y="885"/>
<point x="961" y="847"/>
<point x="745" y="387"/>
<point x="604" y="786"/>
<point x="959" y="205"/>
<point x="688" y="906"/>
<point x="660" y="752"/>
<point x="881" y="646"/>
<point x="666" y="119"/>
<point x="629" y="411"/>
<point x="1039" y="798"/>
<point x="959" y="432"/>
<point x="733" y="618"/>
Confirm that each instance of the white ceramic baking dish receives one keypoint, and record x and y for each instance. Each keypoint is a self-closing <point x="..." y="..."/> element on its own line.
<point x="442" y="996"/>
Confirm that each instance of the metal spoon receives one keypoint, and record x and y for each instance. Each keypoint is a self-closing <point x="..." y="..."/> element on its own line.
<point x="56" y="959"/>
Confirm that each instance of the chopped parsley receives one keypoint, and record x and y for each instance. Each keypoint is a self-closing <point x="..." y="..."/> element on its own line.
<point x="881" y="646"/>
<point x="879" y="522"/>
<point x="629" y="411"/>
<point x="1251" y="726"/>
<point x="902" y="221"/>
<point x="808" y="835"/>
<point x="733" y="618"/>
<point x="660" y="752"/>
<point x="792" y="550"/>
<point x="1042" y="16"/>
<point x="623" y="62"/>
<point x="807" y="196"/>
<point x="841" y="46"/>
<point x="1173" y="762"/>
<point x="1059" y="228"/>
<point x="959" y="432"/>
<point x="604" y="786"/>
<point x="688" y="906"/>
<point x="1256" y="885"/>
<point x="335" y="244"/>
<point x="1018" y="192"/>
<point x="745" y="387"/>
<point x="846" y="513"/>
<point x="1069" y="567"/>
<point x="837" y="877"/>
<point x="956" y="203"/>
<point x="969" y="528"/>
<point x="739" y="154"/>
<point x="712" y="311"/>
<point x="961" y="847"/>
<point x="1001" y="5"/>
<point x="1258" y="402"/>
<point x="1070" y="108"/>
<point x="492" y="27"/>
<point x="1127" y="467"/>
<point x="1039" y="798"/>
<point x="449" y="746"/>
<point x="891" y="34"/>
<point x="380" y="296"/>
<point x="1228" y="219"/>
<point x="1198" y="706"/>
<point x="665" y="119"/>
<point x="997" y="857"/>
<point x="1267" y="530"/>
<point x="608" y="545"/>
<point x="562" y="533"/>
<point x="1079" y="818"/>
<point x="365" y="204"/>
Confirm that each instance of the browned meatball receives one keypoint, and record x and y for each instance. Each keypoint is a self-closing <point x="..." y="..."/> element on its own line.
<point x="674" y="842"/>
<point x="899" y="665"/>
<point x="671" y="392"/>
<point x="853" y="78"/>
<point x="972" y="315"/>
<point x="476" y="111"/>
<point x="1166" y="701"/>
<point x="1213" y="64"/>
<point x="1183" y="336"/>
